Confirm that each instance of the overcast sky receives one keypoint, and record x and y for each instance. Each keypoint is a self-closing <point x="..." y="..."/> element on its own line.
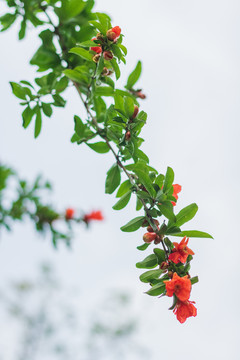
<point x="191" y="75"/>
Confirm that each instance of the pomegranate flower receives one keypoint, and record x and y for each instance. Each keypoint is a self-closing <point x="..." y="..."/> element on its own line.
<point x="176" y="189"/>
<point x="69" y="213"/>
<point x="97" y="49"/>
<point x="114" y="33"/>
<point x="184" y="310"/>
<point x="94" y="215"/>
<point x="180" y="286"/>
<point x="180" y="252"/>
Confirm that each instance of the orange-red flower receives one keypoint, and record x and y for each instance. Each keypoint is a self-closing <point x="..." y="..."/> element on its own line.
<point x="180" y="252"/>
<point x="69" y="213"/>
<point x="176" y="189"/>
<point x="94" y="215"/>
<point x="113" y="33"/>
<point x="97" y="49"/>
<point x="180" y="286"/>
<point x="184" y="310"/>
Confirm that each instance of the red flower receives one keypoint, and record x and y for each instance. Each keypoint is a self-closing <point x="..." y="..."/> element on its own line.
<point x="180" y="252"/>
<point x="113" y="33"/>
<point x="184" y="310"/>
<point x="94" y="215"/>
<point x="180" y="286"/>
<point x="97" y="49"/>
<point x="176" y="189"/>
<point x="69" y="213"/>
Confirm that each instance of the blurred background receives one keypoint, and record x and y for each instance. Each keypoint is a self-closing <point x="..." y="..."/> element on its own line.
<point x="191" y="75"/>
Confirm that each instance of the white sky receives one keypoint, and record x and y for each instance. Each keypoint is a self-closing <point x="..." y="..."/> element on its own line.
<point x="191" y="75"/>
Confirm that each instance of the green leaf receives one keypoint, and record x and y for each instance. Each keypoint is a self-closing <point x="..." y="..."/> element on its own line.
<point x="134" y="224"/>
<point x="139" y="204"/>
<point x="45" y="58"/>
<point x="100" y="147"/>
<point x="115" y="68"/>
<point x="85" y="54"/>
<point x="58" y="100"/>
<point x="79" y="126"/>
<point x="159" y="180"/>
<point x="168" y="243"/>
<point x="124" y="188"/>
<point x="123" y="201"/>
<point x="27" y="116"/>
<point x="141" y="155"/>
<point x="123" y="48"/>
<point x="156" y="290"/>
<point x="88" y="43"/>
<point x="76" y="76"/>
<point x="128" y="106"/>
<point x="186" y="214"/>
<point x="169" y="177"/>
<point x="192" y="233"/>
<point x="104" y="20"/>
<point x="160" y="255"/>
<point x="113" y="179"/>
<point x="100" y="66"/>
<point x="134" y="76"/>
<point x="150" y="275"/>
<point x="62" y="84"/>
<point x="149" y="262"/>
<point x="146" y="181"/>
<point x="99" y="26"/>
<point x="104" y="91"/>
<point x="18" y="90"/>
<point x="70" y="9"/>
<point x="116" y="51"/>
<point x="22" y="30"/>
<point x="143" y="246"/>
<point x="7" y="20"/>
<point x="166" y="209"/>
<point x="173" y="230"/>
<point x="47" y="109"/>
<point x="194" y="280"/>
<point x="38" y="122"/>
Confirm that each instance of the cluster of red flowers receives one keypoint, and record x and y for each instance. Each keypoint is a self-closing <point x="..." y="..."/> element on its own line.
<point x="94" y="215"/>
<point x="112" y="35"/>
<point x="178" y="286"/>
<point x="181" y="288"/>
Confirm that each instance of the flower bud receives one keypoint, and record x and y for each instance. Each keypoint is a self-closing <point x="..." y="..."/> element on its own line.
<point x="135" y="112"/>
<point x="149" y="237"/>
<point x="164" y="265"/>
<point x="140" y="95"/>
<point x="157" y="240"/>
<point x="96" y="58"/>
<point x="105" y="71"/>
<point x="127" y="136"/>
<point x="100" y="37"/>
<point x="69" y="213"/>
<point x="108" y="55"/>
<point x="113" y="33"/>
<point x="145" y="223"/>
<point x="170" y="274"/>
<point x="150" y="229"/>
